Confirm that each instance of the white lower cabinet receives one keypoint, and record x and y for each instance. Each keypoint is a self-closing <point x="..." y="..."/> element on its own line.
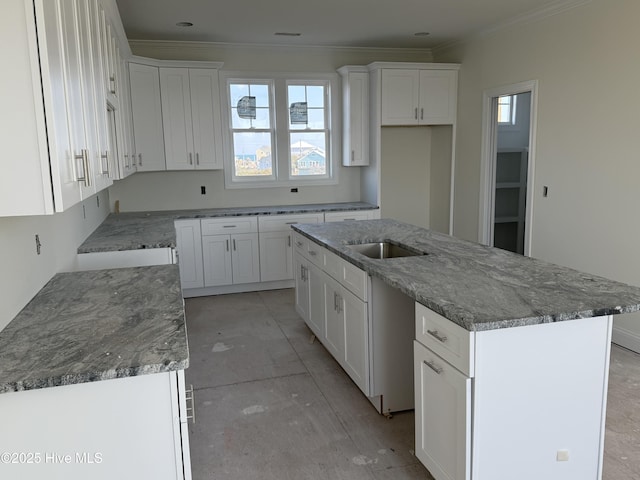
<point x="333" y="311"/>
<point x="443" y="411"/>
<point x="133" y="427"/>
<point x="189" y="245"/>
<point x="489" y="402"/>
<point x="276" y="256"/>
<point x="230" y="259"/>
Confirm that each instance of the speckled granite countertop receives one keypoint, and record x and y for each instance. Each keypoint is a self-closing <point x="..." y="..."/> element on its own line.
<point x="477" y="287"/>
<point x="96" y="325"/>
<point x="139" y="230"/>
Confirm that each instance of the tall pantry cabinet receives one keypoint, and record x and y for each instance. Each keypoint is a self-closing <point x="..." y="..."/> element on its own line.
<point x="55" y="125"/>
<point x="412" y="112"/>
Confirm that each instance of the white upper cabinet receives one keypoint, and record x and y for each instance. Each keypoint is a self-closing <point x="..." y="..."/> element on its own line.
<point x="55" y="125"/>
<point x="147" y="117"/>
<point x="355" y="119"/>
<point x="419" y="96"/>
<point x="191" y="118"/>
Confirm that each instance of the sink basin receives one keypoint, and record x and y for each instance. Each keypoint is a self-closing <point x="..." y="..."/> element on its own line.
<point x="383" y="250"/>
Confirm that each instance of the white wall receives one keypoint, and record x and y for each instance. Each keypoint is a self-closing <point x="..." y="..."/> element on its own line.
<point x="181" y="190"/>
<point x="24" y="272"/>
<point x="585" y="62"/>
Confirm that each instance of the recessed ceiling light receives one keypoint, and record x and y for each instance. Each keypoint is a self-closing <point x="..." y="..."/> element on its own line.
<point x="421" y="34"/>
<point x="184" y="24"/>
<point x="288" y="34"/>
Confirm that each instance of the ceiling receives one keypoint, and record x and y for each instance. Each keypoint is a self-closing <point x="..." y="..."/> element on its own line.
<point x="348" y="23"/>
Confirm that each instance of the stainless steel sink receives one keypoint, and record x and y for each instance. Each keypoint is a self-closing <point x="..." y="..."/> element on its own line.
<point x="383" y="250"/>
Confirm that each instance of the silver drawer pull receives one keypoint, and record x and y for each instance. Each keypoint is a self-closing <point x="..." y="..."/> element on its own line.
<point x="229" y="226"/>
<point x="433" y="367"/>
<point x="311" y="252"/>
<point x="437" y="335"/>
<point x="291" y="223"/>
<point x="191" y="404"/>
<point x="298" y="244"/>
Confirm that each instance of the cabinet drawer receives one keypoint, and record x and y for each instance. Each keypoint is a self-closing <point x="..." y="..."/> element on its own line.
<point x="300" y="244"/>
<point x="350" y="215"/>
<point x="354" y="279"/>
<point x="229" y="225"/>
<point x="452" y="342"/>
<point x="332" y="264"/>
<point x="276" y="223"/>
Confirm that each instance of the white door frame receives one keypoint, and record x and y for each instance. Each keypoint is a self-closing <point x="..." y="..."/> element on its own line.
<point x="488" y="164"/>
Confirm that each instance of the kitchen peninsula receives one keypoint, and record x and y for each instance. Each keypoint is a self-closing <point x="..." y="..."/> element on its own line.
<point x="510" y="354"/>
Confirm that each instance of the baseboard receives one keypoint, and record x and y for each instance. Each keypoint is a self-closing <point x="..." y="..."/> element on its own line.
<point x="239" y="288"/>
<point x="626" y="338"/>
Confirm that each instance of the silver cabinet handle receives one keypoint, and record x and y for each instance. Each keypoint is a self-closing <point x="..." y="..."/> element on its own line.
<point x="415" y="113"/>
<point x="433" y="367"/>
<point x="126" y="160"/>
<point x="84" y="158"/>
<point x="190" y="158"/>
<point x="422" y="114"/>
<point x="303" y="273"/>
<point x="227" y="245"/>
<point x="437" y="335"/>
<point x="112" y="79"/>
<point x="197" y="158"/>
<point x="353" y="156"/>
<point x="104" y="162"/>
<point x="313" y="253"/>
<point x="298" y="243"/>
<point x="191" y="404"/>
<point x="288" y="240"/>
<point x="291" y="223"/>
<point x="140" y="159"/>
<point x="335" y="301"/>
<point x="229" y="226"/>
<point x="234" y="245"/>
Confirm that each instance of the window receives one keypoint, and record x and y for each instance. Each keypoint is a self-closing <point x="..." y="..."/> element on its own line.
<point x="507" y="110"/>
<point x="280" y="131"/>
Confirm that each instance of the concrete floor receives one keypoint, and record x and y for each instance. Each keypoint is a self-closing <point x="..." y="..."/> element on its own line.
<point x="272" y="405"/>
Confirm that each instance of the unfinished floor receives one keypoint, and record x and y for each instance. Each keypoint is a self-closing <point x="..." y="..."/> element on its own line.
<point x="272" y="405"/>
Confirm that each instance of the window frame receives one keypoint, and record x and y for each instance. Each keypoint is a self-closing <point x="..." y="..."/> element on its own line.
<point x="281" y="161"/>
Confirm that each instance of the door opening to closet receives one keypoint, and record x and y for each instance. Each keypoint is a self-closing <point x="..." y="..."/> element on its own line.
<point x="508" y="166"/>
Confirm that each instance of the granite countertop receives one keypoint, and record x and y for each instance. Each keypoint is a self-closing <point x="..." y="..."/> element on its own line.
<point x="140" y="230"/>
<point x="474" y="286"/>
<point x="96" y="325"/>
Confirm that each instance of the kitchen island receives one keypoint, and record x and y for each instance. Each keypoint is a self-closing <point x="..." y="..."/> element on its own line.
<point x="510" y="354"/>
<point x="92" y="379"/>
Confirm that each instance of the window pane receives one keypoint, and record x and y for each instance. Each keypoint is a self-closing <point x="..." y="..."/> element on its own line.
<point x="308" y="154"/>
<point x="297" y="93"/>
<point x="261" y="92"/>
<point x="316" y="119"/>
<point x="238" y="91"/>
<point x="252" y="154"/>
<point x="249" y="106"/>
<point x="315" y="96"/>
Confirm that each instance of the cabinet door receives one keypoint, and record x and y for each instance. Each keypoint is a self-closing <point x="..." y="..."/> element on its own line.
<point x="301" y="270"/>
<point x="317" y="301"/>
<point x="334" y="320"/>
<point x="442" y="416"/>
<point x="400" y="94"/>
<point x="356" y="120"/>
<point x="176" y="118"/>
<point x="189" y="245"/>
<point x="245" y="256"/>
<point x="356" y="338"/>
<point x="147" y="117"/>
<point x="216" y="255"/>
<point x="438" y="97"/>
<point x="276" y="256"/>
<point x="205" y="111"/>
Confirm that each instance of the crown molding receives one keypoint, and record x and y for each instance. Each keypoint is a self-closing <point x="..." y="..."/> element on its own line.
<point x="180" y="45"/>
<point x="531" y="16"/>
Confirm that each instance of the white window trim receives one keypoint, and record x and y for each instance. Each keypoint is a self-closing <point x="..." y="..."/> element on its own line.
<point x="281" y="111"/>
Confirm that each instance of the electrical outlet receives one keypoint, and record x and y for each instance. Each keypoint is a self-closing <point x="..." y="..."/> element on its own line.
<point x="294" y="190"/>
<point x="203" y="190"/>
<point x="545" y="191"/>
<point x="562" y="456"/>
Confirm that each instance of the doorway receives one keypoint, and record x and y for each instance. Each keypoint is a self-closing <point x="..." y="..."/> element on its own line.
<point x="507" y="163"/>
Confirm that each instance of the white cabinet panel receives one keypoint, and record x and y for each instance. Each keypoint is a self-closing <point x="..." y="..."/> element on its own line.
<point x="216" y="250"/>
<point x="334" y="320"/>
<point x="356" y="339"/>
<point x="189" y="245"/>
<point x="442" y="415"/>
<point x="355" y="108"/>
<point x="245" y="258"/>
<point x="190" y="117"/>
<point x="418" y="96"/>
<point x="301" y="271"/>
<point x="316" y="280"/>
<point x="276" y="256"/>
<point x="147" y="117"/>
